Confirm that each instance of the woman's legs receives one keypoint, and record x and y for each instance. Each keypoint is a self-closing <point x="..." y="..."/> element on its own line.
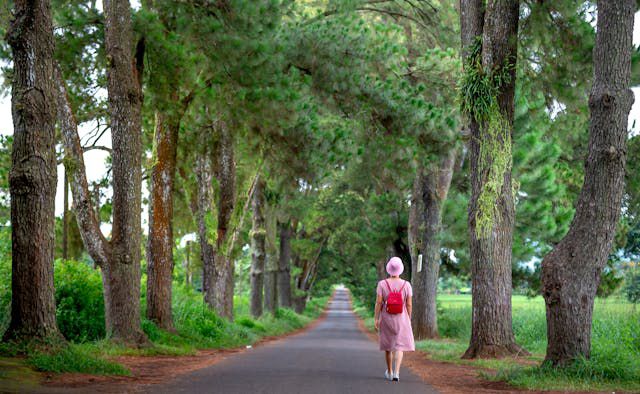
<point x="387" y="357"/>
<point x="397" y="355"/>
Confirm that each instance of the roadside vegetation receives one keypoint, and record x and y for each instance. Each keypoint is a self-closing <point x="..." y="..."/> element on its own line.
<point x="615" y="356"/>
<point x="80" y="316"/>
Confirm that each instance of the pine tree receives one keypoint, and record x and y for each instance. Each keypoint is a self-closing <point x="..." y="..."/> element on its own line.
<point x="32" y="179"/>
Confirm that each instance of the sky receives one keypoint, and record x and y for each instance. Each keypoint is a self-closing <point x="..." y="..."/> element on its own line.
<point x="95" y="159"/>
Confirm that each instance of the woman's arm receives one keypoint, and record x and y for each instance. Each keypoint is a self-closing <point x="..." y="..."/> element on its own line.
<point x="378" y="309"/>
<point x="409" y="306"/>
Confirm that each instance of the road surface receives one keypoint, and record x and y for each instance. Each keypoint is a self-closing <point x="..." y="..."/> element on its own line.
<point x="332" y="357"/>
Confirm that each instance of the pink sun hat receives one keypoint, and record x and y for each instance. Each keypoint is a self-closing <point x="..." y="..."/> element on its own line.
<point x="394" y="266"/>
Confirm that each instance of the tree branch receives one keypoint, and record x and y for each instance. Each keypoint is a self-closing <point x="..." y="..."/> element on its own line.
<point x="97" y="245"/>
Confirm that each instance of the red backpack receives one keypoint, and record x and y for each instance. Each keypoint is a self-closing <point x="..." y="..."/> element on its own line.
<point x="395" y="300"/>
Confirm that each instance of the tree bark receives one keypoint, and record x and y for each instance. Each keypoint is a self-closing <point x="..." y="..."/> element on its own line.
<point x="381" y="268"/>
<point x="271" y="263"/>
<point x="32" y="179"/>
<point x="271" y="283"/>
<point x="187" y="264"/>
<point x="204" y="175"/>
<point x="65" y="218"/>
<point x="284" y="265"/>
<point x="121" y="277"/>
<point x="492" y="331"/>
<point x="258" y="249"/>
<point x="430" y="191"/>
<point x="160" y="244"/>
<point x="218" y="277"/>
<point x="571" y="271"/>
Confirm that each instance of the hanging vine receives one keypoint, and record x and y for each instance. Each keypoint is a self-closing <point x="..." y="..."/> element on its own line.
<point x="479" y="90"/>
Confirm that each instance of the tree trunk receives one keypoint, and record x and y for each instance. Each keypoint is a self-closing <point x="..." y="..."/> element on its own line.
<point x="271" y="283"/>
<point x="225" y="173"/>
<point x="204" y="175"/>
<point x="490" y="250"/>
<point x="121" y="277"/>
<point x="160" y="244"/>
<point x="258" y="250"/>
<point x="187" y="264"/>
<point x="430" y="191"/>
<point x="299" y="303"/>
<point x="381" y="268"/>
<point x="32" y="179"/>
<point x="65" y="218"/>
<point x="390" y="251"/>
<point x="571" y="271"/>
<point x="284" y="266"/>
<point x="304" y="281"/>
<point x="218" y="269"/>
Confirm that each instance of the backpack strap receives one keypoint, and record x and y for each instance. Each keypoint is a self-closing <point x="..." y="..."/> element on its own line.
<point x="404" y="282"/>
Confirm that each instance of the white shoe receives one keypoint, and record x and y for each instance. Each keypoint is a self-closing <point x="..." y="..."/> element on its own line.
<point x="388" y="375"/>
<point x="396" y="377"/>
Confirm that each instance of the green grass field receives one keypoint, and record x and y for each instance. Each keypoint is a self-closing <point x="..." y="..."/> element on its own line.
<point x="615" y="357"/>
<point x="615" y="354"/>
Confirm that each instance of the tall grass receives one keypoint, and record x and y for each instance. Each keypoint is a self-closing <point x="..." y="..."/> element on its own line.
<point x="615" y="346"/>
<point x="75" y="358"/>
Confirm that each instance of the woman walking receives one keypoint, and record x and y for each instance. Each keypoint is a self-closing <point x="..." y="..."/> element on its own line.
<point x="393" y="318"/>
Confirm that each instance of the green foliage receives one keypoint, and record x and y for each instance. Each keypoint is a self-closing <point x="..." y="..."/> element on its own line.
<point x="632" y="287"/>
<point x="198" y="327"/>
<point x="5" y="165"/>
<point x="79" y="301"/>
<point x="610" y="278"/>
<point x="5" y="278"/>
<point x="75" y="358"/>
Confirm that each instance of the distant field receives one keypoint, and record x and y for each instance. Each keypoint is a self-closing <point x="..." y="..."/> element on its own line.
<point x="463" y="300"/>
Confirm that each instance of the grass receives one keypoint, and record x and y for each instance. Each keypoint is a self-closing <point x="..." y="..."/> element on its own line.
<point x="615" y="353"/>
<point x="75" y="358"/>
<point x="16" y="376"/>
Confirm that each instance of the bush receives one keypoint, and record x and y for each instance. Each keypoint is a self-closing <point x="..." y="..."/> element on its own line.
<point x="79" y="301"/>
<point x="455" y="323"/>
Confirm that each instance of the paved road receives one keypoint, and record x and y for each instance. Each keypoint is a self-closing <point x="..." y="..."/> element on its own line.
<point x="333" y="357"/>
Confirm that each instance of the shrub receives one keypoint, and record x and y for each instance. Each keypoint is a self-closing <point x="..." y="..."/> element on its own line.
<point x="79" y="301"/>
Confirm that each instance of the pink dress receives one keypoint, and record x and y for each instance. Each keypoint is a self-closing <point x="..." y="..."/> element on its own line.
<point x="395" y="331"/>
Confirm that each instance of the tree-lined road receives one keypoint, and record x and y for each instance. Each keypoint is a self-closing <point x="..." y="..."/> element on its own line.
<point x="333" y="357"/>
